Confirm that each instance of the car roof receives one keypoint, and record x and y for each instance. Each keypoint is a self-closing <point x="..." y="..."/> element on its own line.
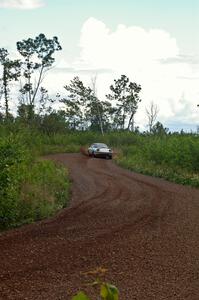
<point x="99" y="145"/>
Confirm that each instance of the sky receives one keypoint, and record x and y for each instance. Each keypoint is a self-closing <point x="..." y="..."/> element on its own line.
<point x="154" y="42"/>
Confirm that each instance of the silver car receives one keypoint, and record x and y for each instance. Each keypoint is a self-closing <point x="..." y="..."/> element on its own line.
<point x="100" y="150"/>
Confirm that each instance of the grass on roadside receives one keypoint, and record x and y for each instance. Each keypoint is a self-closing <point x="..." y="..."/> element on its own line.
<point x="44" y="191"/>
<point x="30" y="189"/>
<point x="173" y="158"/>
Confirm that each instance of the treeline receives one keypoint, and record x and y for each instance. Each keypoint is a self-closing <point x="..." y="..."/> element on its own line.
<point x="82" y="108"/>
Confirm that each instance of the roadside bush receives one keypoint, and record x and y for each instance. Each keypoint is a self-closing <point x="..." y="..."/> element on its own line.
<point x="30" y="189"/>
<point x="172" y="157"/>
<point x="13" y="158"/>
<point x="44" y="191"/>
<point x="107" y="292"/>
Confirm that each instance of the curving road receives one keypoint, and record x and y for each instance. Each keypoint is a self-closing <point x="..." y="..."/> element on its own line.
<point x="144" y="231"/>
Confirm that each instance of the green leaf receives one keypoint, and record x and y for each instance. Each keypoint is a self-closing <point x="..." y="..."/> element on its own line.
<point x="114" y="291"/>
<point x="109" y="292"/>
<point x="104" y="291"/>
<point x="80" y="296"/>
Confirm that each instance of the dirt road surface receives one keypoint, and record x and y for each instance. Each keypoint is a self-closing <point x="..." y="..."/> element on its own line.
<point x="144" y="231"/>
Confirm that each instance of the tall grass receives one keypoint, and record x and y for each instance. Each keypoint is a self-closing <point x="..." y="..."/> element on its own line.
<point x="174" y="157"/>
<point x="30" y="189"/>
<point x="44" y="191"/>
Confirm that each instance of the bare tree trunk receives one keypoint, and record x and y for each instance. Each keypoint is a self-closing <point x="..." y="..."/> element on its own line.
<point x="38" y="84"/>
<point x="5" y="91"/>
<point x="93" y="82"/>
<point x="32" y="97"/>
<point x="152" y="113"/>
<point x="130" y="121"/>
<point x="29" y="83"/>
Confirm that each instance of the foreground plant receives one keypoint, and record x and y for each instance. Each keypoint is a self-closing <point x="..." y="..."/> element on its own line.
<point x="107" y="292"/>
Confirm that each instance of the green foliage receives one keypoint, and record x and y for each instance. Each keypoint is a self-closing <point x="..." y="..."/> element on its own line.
<point x="44" y="191"/>
<point x="11" y="71"/>
<point x="37" y="55"/>
<point x="174" y="157"/>
<point x="83" y="109"/>
<point x="76" y="101"/>
<point x="29" y="189"/>
<point x="13" y="158"/>
<point x="126" y="95"/>
<point x="80" y="296"/>
<point x="107" y="292"/>
<point x="53" y="123"/>
<point x="158" y="129"/>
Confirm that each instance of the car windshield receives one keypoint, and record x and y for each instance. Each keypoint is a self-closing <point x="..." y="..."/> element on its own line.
<point x="100" y="145"/>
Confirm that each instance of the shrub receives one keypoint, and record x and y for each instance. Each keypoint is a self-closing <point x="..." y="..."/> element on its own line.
<point x="13" y="158"/>
<point x="107" y="292"/>
<point x="44" y="191"/>
<point x="29" y="189"/>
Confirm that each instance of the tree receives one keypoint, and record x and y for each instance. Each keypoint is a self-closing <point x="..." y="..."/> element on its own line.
<point x="76" y="101"/>
<point x="96" y="108"/>
<point x="152" y="113"/>
<point x="1" y="117"/>
<point x="126" y="96"/>
<point x="54" y="122"/>
<point x="98" y="114"/>
<point x="11" y="71"/>
<point x="83" y="108"/>
<point x="23" y="112"/>
<point x="37" y="56"/>
<point x="159" y="129"/>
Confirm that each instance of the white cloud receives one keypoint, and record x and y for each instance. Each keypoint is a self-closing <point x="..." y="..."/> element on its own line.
<point x="141" y="54"/>
<point x="126" y="47"/>
<point x="21" y="4"/>
<point x="151" y="58"/>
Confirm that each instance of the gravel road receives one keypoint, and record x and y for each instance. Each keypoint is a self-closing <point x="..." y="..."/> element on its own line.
<point x="143" y="231"/>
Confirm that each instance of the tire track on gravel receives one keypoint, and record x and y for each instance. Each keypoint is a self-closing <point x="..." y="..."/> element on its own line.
<point x="144" y="230"/>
